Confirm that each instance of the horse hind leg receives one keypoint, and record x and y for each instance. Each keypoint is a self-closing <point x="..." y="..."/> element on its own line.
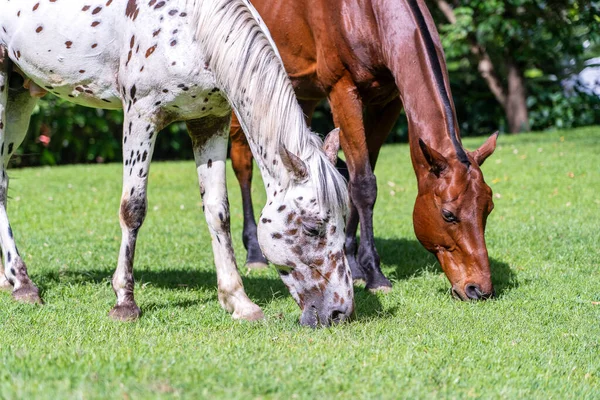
<point x="379" y="121"/>
<point x="209" y="138"/>
<point x="15" y="110"/>
<point x="241" y="161"/>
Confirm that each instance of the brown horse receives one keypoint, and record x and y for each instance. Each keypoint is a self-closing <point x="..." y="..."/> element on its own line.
<point x="369" y="59"/>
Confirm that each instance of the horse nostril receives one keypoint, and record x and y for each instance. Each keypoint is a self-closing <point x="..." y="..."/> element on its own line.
<point x="473" y="292"/>
<point x="16" y="81"/>
<point x="337" y="316"/>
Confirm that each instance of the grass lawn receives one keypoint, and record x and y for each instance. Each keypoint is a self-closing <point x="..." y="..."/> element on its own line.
<point x="540" y="338"/>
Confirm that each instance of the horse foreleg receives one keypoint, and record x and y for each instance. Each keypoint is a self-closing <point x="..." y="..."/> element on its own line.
<point x="210" y="152"/>
<point x="139" y="135"/>
<point x="15" y="109"/>
<point x="241" y="160"/>
<point x="347" y="108"/>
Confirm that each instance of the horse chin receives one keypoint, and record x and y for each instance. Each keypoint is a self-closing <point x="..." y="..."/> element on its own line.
<point x="458" y="294"/>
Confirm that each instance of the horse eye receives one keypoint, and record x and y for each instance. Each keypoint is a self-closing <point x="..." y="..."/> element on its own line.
<point x="448" y="216"/>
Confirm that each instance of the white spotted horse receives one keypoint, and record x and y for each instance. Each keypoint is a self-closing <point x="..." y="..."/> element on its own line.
<point x="193" y="61"/>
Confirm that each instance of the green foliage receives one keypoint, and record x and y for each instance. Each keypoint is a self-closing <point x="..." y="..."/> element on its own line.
<point x="545" y="38"/>
<point x="76" y="134"/>
<point x="555" y="110"/>
<point x="63" y="133"/>
<point x="538" y="339"/>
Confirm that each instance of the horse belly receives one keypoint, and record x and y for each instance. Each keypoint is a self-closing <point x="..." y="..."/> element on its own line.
<point x="72" y="51"/>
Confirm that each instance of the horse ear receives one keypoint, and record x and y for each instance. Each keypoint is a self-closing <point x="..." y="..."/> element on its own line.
<point x="486" y="150"/>
<point x="293" y="163"/>
<point x="331" y="145"/>
<point x="437" y="162"/>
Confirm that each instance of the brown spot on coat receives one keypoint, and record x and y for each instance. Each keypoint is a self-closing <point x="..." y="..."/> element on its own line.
<point x="133" y="211"/>
<point x="290" y="217"/>
<point x="150" y="51"/>
<point x="132" y="9"/>
<point x="297" y="275"/>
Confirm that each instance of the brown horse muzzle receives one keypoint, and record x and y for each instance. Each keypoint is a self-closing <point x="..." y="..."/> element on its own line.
<point x="467" y="285"/>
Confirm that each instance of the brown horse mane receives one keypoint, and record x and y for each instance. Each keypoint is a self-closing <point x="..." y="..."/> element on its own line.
<point x="438" y="76"/>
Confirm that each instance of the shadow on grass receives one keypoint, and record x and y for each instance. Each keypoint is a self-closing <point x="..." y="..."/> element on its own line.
<point x="409" y="259"/>
<point x="261" y="289"/>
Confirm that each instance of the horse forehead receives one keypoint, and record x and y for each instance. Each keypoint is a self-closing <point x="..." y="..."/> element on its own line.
<point x="462" y="186"/>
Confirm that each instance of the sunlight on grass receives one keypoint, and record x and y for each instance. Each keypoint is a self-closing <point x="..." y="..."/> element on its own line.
<point x="540" y="338"/>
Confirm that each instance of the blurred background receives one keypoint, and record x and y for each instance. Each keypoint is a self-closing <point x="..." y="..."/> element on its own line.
<point x="514" y="66"/>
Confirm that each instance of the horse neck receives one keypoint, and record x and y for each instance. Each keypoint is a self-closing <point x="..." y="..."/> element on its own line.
<point x="246" y="67"/>
<point x="406" y="28"/>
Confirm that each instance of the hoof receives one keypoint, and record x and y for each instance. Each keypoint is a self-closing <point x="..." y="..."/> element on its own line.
<point x="359" y="282"/>
<point x="251" y="314"/>
<point x="380" y="289"/>
<point x="27" y="294"/>
<point x="379" y="284"/>
<point x="125" y="312"/>
<point x="256" y="266"/>
<point x="5" y="285"/>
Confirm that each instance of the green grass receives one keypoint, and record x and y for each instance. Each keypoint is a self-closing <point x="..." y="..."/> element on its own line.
<point x="539" y="339"/>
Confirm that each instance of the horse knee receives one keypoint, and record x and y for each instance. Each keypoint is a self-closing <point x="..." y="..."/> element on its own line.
<point x="217" y="215"/>
<point x="133" y="212"/>
<point x="363" y="190"/>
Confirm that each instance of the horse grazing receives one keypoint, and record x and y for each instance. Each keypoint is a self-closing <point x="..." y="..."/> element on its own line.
<point x="190" y="61"/>
<point x="370" y="59"/>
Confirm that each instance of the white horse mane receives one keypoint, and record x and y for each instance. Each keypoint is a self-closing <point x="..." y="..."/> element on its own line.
<point x="248" y="68"/>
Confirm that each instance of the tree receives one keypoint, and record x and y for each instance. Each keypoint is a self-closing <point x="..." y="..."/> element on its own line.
<point x="512" y="40"/>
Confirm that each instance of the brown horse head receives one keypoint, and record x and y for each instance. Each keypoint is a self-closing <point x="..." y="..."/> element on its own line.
<point x="450" y="214"/>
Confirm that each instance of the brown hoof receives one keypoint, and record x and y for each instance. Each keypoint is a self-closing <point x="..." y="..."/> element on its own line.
<point x="380" y="289"/>
<point x="27" y="294"/>
<point x="125" y="312"/>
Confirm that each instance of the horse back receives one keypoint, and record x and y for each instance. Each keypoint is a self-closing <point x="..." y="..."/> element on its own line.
<point x="322" y="41"/>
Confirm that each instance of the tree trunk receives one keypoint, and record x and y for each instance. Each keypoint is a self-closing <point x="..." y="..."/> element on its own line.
<point x="516" y="101"/>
